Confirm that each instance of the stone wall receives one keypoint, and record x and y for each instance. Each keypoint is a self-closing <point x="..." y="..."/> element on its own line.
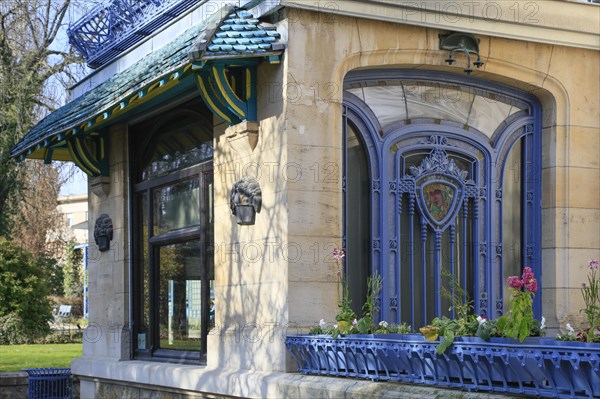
<point x="13" y="385"/>
<point x="276" y="274"/>
<point x="108" y="272"/>
<point x="294" y="386"/>
<point x="323" y="48"/>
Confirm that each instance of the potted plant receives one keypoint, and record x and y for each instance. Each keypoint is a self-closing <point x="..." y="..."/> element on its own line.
<point x="467" y="356"/>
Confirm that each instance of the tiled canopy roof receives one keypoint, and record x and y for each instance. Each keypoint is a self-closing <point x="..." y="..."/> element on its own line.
<point x="229" y="34"/>
<point x="118" y="88"/>
<point x="238" y="35"/>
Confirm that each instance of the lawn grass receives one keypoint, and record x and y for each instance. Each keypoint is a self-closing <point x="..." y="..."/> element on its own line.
<point x="17" y="357"/>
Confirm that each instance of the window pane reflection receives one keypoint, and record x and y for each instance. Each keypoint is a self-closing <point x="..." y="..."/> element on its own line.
<point x="178" y="149"/>
<point x="176" y="206"/>
<point x="180" y="296"/>
<point x="358" y="218"/>
<point x="143" y="338"/>
<point x="512" y="217"/>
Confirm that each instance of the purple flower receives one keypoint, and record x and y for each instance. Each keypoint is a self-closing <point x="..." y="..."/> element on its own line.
<point x="515" y="282"/>
<point x="527" y="273"/>
<point x="594" y="264"/>
<point x="338" y="254"/>
<point x="531" y="285"/>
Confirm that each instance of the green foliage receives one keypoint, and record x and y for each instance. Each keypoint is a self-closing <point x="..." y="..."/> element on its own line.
<point x="346" y="318"/>
<point x="487" y="330"/>
<point x="366" y="325"/>
<point x="53" y="273"/>
<point x="591" y="297"/>
<point x="519" y="321"/>
<point x="73" y="276"/>
<point x="23" y="291"/>
<point x="465" y="324"/>
<point x="385" y="328"/>
<point x="72" y="336"/>
<point x="345" y="313"/>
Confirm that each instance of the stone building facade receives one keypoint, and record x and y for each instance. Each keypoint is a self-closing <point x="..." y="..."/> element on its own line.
<point x="366" y="78"/>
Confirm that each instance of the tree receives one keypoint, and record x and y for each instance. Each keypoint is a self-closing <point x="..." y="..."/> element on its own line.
<point x="28" y="29"/>
<point x="24" y="309"/>
<point x="73" y="275"/>
<point x="38" y="226"/>
<point x="53" y="273"/>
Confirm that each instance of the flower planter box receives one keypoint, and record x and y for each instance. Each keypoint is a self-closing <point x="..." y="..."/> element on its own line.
<point x="541" y="367"/>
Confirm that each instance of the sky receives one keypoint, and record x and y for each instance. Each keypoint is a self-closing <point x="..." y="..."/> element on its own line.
<point x="75" y="185"/>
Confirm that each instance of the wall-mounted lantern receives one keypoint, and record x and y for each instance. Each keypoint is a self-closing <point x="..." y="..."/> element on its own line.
<point x="245" y="200"/>
<point x="103" y="232"/>
<point x="463" y="43"/>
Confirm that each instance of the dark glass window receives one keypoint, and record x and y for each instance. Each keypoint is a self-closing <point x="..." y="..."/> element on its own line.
<point x="173" y="283"/>
<point x="358" y="219"/>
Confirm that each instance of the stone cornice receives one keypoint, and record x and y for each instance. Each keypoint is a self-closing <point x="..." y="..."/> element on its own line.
<point x="557" y="22"/>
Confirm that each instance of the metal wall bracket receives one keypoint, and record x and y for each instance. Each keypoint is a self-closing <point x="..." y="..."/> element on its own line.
<point x="463" y="43"/>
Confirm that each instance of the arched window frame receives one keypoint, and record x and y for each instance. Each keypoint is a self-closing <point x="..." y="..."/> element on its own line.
<point x="356" y="112"/>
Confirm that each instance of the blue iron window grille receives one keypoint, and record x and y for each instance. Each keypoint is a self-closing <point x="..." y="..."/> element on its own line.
<point x="113" y="27"/>
<point x="436" y="197"/>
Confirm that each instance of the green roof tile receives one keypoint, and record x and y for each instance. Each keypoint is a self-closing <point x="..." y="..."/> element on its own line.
<point x="150" y="68"/>
<point x="238" y="34"/>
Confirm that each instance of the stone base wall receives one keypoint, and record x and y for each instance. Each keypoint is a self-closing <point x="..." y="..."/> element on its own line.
<point x="14" y="385"/>
<point x="292" y="386"/>
<point x="103" y="389"/>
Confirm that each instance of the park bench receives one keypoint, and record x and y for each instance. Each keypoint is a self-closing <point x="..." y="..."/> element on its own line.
<point x="64" y="311"/>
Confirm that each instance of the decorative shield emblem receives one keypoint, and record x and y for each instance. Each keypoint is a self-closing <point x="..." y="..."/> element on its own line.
<point x="439" y="199"/>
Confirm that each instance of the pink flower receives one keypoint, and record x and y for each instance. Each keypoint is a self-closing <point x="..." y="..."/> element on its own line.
<point x="531" y="285"/>
<point x="594" y="264"/>
<point x="338" y="254"/>
<point x="527" y="273"/>
<point x="515" y="282"/>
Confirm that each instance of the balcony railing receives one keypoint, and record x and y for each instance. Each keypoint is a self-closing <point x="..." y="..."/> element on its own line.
<point x="111" y="28"/>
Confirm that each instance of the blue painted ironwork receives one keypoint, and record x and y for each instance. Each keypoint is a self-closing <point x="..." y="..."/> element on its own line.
<point x="54" y="383"/>
<point x="113" y="27"/>
<point x="539" y="367"/>
<point x="475" y="188"/>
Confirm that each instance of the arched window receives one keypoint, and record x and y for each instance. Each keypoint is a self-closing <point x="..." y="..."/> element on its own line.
<point x="172" y="213"/>
<point x="442" y="181"/>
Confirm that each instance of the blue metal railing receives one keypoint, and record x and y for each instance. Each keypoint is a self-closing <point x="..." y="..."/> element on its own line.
<point x="539" y="367"/>
<point x="50" y="383"/>
<point x="113" y="27"/>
